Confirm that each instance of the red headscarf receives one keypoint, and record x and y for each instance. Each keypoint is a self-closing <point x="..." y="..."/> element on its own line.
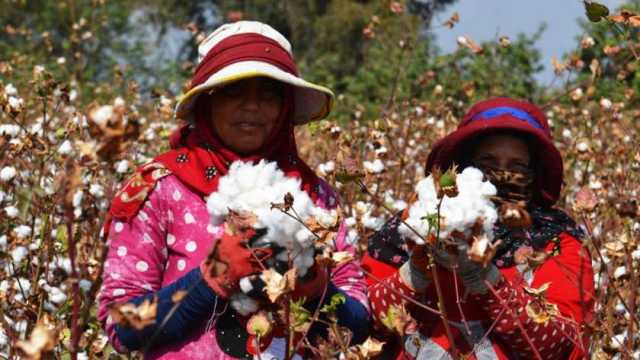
<point x="198" y="156"/>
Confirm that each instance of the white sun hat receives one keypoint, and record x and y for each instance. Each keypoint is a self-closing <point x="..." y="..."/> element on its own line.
<point x="311" y="102"/>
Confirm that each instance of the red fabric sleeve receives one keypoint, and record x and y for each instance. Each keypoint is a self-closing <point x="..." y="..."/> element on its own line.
<point x="378" y="269"/>
<point x="571" y="288"/>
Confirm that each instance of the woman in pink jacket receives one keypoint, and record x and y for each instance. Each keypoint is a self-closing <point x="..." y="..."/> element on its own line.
<point x="244" y="100"/>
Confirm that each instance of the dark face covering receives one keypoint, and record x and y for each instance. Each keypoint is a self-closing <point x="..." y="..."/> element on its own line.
<point x="512" y="186"/>
<point x="547" y="223"/>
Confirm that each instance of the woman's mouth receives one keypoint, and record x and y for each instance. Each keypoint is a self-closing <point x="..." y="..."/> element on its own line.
<point x="248" y="125"/>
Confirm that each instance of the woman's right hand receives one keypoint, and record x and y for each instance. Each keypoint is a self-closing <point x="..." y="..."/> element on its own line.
<point x="232" y="259"/>
<point x="416" y="273"/>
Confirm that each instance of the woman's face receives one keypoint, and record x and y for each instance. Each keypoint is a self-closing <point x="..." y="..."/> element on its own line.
<point x="502" y="152"/>
<point x="245" y="113"/>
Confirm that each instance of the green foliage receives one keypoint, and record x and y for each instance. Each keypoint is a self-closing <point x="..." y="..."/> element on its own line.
<point x="613" y="49"/>
<point x="335" y="301"/>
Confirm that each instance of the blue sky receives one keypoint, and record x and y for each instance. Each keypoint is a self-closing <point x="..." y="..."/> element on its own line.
<point x="482" y="20"/>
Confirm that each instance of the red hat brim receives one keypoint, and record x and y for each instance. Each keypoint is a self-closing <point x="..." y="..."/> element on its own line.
<point x="549" y="168"/>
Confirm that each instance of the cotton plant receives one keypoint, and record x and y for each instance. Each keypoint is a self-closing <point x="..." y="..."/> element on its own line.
<point x="452" y="204"/>
<point x="254" y="188"/>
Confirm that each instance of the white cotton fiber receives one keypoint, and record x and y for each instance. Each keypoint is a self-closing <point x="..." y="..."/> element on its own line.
<point x="243" y="304"/>
<point x="254" y="187"/>
<point x="459" y="213"/>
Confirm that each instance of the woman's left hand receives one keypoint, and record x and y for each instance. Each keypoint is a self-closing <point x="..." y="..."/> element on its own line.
<point x="312" y="288"/>
<point x="472" y="273"/>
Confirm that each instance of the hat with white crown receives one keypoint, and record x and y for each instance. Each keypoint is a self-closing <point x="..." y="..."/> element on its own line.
<point x="247" y="49"/>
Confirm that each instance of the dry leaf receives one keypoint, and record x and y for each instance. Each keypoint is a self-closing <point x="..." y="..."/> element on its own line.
<point x="536" y="258"/>
<point x="615" y="248"/>
<point x="541" y="312"/>
<point x="370" y="348"/>
<point x="341" y="257"/>
<point x="286" y="204"/>
<point x="41" y="340"/>
<point x="325" y="228"/>
<point x="259" y="324"/>
<point x="539" y="292"/>
<point x="595" y="68"/>
<point x="398" y="320"/>
<point x="239" y="221"/>
<point x="558" y="67"/>
<point x="132" y="316"/>
<point x="585" y="200"/>
<point x="504" y="41"/>
<point x="467" y="42"/>
<point x="626" y="17"/>
<point x="88" y="151"/>
<point x="453" y="20"/>
<point x="482" y="250"/>
<point x="514" y="216"/>
<point x="612" y="50"/>
<point x="396" y="7"/>
<point x="276" y="284"/>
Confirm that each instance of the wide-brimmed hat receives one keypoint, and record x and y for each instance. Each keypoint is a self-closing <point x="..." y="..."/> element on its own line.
<point x="247" y="49"/>
<point x="506" y="114"/>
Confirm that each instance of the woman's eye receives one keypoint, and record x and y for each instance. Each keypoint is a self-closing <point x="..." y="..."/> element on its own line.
<point x="484" y="164"/>
<point x="520" y="168"/>
<point x="271" y="94"/>
<point x="231" y="90"/>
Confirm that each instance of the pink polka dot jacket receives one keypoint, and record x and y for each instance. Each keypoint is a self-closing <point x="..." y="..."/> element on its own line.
<point x="158" y="252"/>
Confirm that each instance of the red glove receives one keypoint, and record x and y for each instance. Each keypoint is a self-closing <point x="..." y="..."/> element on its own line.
<point x="231" y="260"/>
<point x="313" y="288"/>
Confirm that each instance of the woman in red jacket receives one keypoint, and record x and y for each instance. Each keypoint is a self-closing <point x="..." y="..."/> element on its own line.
<point x="498" y="311"/>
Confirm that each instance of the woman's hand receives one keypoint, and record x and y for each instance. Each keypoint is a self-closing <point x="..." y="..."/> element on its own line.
<point x="231" y="259"/>
<point x="416" y="272"/>
<point x="472" y="273"/>
<point x="312" y="288"/>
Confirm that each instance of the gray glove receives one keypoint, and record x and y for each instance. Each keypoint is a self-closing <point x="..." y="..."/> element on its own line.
<point x="472" y="273"/>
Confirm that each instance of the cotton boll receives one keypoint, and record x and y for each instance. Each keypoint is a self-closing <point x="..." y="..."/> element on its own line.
<point x="56" y="295"/>
<point x="96" y="190"/>
<point x="10" y="130"/>
<point x="85" y="285"/>
<point x="617" y="341"/>
<point x="254" y="187"/>
<point x="326" y="218"/>
<point x="22" y="285"/>
<point x="305" y="237"/>
<point x="19" y="253"/>
<point x="77" y="198"/>
<point x="326" y="168"/>
<point x="65" y="148"/>
<point x="372" y="222"/>
<point x="399" y="205"/>
<point x="620" y="272"/>
<point x="459" y="213"/>
<point x="7" y="173"/>
<point x="122" y="166"/>
<point x="12" y="212"/>
<point x="243" y="304"/>
<point x="374" y="167"/>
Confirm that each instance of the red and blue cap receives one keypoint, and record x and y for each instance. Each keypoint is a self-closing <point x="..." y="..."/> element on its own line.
<point x="499" y="115"/>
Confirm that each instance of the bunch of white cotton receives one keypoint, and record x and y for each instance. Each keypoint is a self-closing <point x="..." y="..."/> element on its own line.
<point x="253" y="188"/>
<point x="458" y="213"/>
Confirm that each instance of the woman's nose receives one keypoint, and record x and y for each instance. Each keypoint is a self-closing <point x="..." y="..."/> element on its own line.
<point x="250" y="96"/>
